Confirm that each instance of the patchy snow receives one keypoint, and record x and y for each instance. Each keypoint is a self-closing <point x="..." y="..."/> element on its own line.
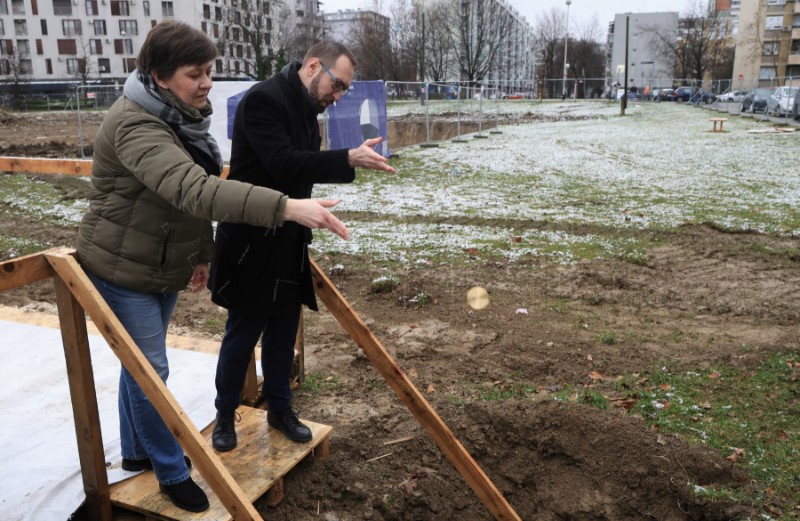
<point x="657" y="167"/>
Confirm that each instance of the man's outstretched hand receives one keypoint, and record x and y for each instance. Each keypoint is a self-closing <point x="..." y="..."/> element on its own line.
<point x="365" y="157"/>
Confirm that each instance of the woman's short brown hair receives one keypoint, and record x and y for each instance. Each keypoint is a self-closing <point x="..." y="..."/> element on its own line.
<point x="172" y="44"/>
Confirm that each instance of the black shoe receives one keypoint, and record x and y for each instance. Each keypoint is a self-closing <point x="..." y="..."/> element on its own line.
<point x="289" y="425"/>
<point x="223" y="438"/>
<point x="186" y="495"/>
<point x="136" y="465"/>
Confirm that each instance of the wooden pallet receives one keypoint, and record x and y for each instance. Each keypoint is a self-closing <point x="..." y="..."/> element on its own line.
<point x="258" y="464"/>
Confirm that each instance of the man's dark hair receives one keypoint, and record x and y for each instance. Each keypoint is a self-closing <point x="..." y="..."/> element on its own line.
<point x="328" y="53"/>
<point x="172" y="44"/>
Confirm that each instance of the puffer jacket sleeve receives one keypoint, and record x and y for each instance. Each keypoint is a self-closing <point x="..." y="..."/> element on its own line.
<point x="146" y="147"/>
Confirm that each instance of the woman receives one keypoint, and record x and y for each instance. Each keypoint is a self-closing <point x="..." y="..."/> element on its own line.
<point x="147" y="232"/>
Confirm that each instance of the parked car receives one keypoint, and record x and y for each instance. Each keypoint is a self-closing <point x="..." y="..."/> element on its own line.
<point x="755" y="100"/>
<point x="781" y="101"/>
<point x="685" y="93"/>
<point x="666" y="95"/>
<point x="732" y="95"/>
<point x="704" y="97"/>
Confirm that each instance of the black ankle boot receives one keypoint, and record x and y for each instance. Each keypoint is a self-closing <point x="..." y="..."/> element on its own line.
<point x="223" y="438"/>
<point x="289" y="425"/>
<point x="186" y="495"/>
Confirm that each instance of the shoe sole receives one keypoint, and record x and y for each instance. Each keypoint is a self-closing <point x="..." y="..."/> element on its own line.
<point x="148" y="465"/>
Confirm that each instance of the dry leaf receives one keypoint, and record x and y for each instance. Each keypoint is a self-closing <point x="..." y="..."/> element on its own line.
<point x="626" y="404"/>
<point x="516" y="239"/>
<point x="665" y="387"/>
<point x="661" y="440"/>
<point x="735" y="455"/>
<point x="431" y="388"/>
<point x="596" y="375"/>
<point x="705" y="405"/>
<point x="714" y="375"/>
<point x="409" y="486"/>
<point x="412" y="373"/>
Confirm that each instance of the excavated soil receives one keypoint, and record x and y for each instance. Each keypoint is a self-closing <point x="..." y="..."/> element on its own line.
<point x="734" y="302"/>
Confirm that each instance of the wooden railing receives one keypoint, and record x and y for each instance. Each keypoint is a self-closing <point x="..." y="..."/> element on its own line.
<point x="75" y="295"/>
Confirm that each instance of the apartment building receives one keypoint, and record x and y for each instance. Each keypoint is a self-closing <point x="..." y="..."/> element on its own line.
<point x="343" y="24"/>
<point x="80" y="41"/>
<point x="647" y="63"/>
<point x="767" y="43"/>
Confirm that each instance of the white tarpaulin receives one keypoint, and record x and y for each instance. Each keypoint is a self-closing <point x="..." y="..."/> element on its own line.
<point x="41" y="477"/>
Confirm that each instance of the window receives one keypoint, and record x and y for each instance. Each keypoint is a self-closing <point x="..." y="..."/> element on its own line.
<point x="123" y="46"/>
<point x="237" y="17"/>
<point x="20" y="27"/>
<point x="128" y="27"/>
<point x="62" y="7"/>
<point x="766" y="73"/>
<point x="204" y="27"/>
<point x="146" y="7"/>
<point x="71" y="27"/>
<point x="3" y="6"/>
<point x="44" y="27"/>
<point x="48" y="64"/>
<point x="771" y="48"/>
<point x="34" y="7"/>
<point x="39" y="47"/>
<point x="239" y="51"/>
<point x="100" y="28"/>
<point x="218" y="67"/>
<point x="206" y="11"/>
<point x="72" y="66"/>
<point x="218" y="13"/>
<point x="2" y="28"/>
<point x="235" y="34"/>
<point x="6" y="47"/>
<point x="91" y="8"/>
<point x="128" y="65"/>
<point x="166" y="9"/>
<point x="216" y="30"/>
<point x="95" y="46"/>
<point x="25" y="66"/>
<point x="774" y="23"/>
<point x="67" y="47"/>
<point x="23" y="48"/>
<point x="17" y="6"/>
<point x="120" y="8"/>
<point x="103" y="65"/>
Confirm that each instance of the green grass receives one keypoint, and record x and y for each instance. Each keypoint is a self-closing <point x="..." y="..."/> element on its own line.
<point x="754" y="413"/>
<point x="316" y="383"/>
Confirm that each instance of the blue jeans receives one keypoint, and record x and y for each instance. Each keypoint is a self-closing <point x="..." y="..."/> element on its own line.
<point x="277" y="353"/>
<point x="143" y="434"/>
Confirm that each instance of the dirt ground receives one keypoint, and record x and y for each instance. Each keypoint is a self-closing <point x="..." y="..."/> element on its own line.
<point x="734" y="303"/>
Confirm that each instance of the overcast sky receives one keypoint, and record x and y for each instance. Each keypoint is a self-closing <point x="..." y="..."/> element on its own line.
<point x="580" y="11"/>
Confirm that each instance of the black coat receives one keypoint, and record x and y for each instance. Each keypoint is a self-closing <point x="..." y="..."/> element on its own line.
<point x="276" y="143"/>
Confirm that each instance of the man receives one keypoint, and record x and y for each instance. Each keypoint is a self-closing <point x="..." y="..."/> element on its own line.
<point x="262" y="276"/>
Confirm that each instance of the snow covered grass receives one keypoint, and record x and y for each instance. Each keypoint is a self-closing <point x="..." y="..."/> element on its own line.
<point x="656" y="168"/>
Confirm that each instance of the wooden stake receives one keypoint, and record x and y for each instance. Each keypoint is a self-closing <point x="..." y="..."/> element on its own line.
<point x="410" y="395"/>
<point x="203" y="457"/>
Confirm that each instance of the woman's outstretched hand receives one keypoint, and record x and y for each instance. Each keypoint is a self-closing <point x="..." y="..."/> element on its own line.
<point x="314" y="213"/>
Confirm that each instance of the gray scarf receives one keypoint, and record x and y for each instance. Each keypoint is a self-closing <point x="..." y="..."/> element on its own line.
<point x="192" y="124"/>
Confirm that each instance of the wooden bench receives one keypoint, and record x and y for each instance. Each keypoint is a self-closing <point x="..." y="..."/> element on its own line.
<point x="721" y="122"/>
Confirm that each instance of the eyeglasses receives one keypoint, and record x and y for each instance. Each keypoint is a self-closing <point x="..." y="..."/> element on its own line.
<point x="338" y="85"/>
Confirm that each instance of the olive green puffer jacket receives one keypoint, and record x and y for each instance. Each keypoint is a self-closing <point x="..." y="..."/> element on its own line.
<point x="148" y="222"/>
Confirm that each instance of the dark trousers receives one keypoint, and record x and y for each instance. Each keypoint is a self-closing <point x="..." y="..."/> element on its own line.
<point x="277" y="353"/>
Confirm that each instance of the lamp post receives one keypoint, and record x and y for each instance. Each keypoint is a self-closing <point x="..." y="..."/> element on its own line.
<point x="566" y="44"/>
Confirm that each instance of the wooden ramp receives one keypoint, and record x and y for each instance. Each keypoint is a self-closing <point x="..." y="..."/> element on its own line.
<point x="258" y="464"/>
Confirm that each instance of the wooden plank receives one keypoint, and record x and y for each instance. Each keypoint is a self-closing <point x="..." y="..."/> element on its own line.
<point x="410" y="395"/>
<point x="63" y="166"/>
<point x="16" y="273"/>
<point x="84" y="404"/>
<point x="262" y="458"/>
<point x="36" y="165"/>
<point x="203" y="457"/>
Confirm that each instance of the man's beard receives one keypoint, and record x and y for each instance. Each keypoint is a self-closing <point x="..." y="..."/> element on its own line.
<point x="313" y="91"/>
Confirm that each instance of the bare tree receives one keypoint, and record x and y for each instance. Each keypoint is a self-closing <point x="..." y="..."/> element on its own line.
<point x="404" y="41"/>
<point x="370" y="44"/>
<point x="550" y="30"/>
<point x="701" y="44"/>
<point x="15" y="64"/>
<point x="439" y="57"/>
<point x="477" y="33"/>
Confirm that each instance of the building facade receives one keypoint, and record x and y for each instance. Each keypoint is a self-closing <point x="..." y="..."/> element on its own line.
<point x="82" y="41"/>
<point x="647" y="65"/>
<point x="342" y="25"/>
<point x="767" y="44"/>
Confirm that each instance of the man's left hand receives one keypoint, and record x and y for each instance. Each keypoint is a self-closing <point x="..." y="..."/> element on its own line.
<point x="365" y="157"/>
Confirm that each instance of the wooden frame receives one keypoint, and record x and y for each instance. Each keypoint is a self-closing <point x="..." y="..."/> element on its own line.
<point x="75" y="293"/>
